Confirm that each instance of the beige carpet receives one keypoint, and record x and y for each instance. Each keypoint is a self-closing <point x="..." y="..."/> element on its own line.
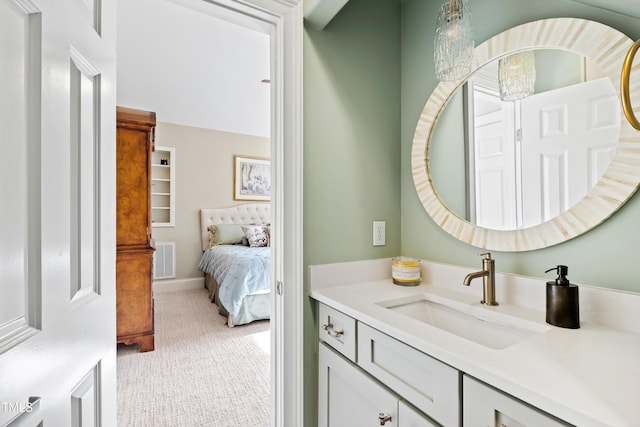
<point x="202" y="373"/>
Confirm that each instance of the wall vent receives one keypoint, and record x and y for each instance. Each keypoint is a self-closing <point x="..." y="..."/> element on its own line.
<point x="164" y="260"/>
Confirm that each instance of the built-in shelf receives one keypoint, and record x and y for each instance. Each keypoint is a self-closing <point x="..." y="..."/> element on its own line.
<point x="163" y="172"/>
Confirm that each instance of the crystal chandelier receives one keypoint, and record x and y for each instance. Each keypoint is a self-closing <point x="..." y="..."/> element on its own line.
<point x="517" y="76"/>
<point x="453" y="42"/>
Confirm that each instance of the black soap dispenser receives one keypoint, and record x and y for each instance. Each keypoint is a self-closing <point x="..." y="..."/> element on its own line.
<point x="563" y="307"/>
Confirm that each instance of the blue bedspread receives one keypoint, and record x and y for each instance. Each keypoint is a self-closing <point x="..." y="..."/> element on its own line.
<point x="239" y="270"/>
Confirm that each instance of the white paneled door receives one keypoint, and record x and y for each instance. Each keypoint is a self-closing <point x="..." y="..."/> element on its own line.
<point x="494" y="159"/>
<point x="57" y="222"/>
<point x="568" y="137"/>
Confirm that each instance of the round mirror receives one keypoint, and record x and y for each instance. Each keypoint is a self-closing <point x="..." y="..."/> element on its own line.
<point x="518" y="163"/>
<point x="523" y="160"/>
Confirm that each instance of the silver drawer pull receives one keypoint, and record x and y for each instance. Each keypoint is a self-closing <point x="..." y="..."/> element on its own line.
<point x="383" y="418"/>
<point x="329" y="328"/>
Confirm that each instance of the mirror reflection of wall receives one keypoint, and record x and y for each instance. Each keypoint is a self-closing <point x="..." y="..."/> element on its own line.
<point x="447" y="155"/>
<point x="507" y="165"/>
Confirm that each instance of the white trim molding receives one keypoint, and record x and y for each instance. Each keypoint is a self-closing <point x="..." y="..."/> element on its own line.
<point x="174" y="285"/>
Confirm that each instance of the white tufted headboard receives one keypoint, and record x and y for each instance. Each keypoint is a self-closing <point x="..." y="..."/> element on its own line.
<point x="249" y="213"/>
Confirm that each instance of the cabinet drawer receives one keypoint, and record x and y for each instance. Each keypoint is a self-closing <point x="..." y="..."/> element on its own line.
<point x="338" y="330"/>
<point x="486" y="406"/>
<point x="427" y="383"/>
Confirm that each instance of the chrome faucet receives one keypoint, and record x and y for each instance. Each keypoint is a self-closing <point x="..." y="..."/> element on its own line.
<point x="488" y="275"/>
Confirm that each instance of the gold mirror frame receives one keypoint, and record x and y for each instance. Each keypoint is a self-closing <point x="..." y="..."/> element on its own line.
<point x="603" y="45"/>
<point x="624" y="86"/>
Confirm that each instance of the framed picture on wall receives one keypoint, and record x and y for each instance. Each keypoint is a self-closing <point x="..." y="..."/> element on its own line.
<point x="252" y="178"/>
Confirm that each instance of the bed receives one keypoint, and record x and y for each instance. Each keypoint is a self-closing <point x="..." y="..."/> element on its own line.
<point x="237" y="276"/>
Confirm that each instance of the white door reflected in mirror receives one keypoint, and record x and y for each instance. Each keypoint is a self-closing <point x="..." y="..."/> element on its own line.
<point x="555" y="147"/>
<point x="530" y="160"/>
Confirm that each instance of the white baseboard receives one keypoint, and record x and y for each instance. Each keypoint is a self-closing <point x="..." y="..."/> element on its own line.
<point x="173" y="285"/>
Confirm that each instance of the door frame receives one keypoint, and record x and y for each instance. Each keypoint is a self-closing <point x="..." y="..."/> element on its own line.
<point x="282" y="21"/>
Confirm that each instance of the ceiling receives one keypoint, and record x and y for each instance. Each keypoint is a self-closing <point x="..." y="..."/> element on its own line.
<point x="318" y="13"/>
<point x="199" y="70"/>
<point x="192" y="68"/>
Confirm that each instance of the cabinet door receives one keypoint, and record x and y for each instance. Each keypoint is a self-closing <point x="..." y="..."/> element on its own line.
<point x="132" y="211"/>
<point x="134" y="299"/>
<point x="134" y="142"/>
<point x="349" y="397"/>
<point x="486" y="406"/>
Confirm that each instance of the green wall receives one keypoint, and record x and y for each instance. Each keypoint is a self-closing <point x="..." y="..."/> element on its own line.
<point x="603" y="257"/>
<point x="351" y="146"/>
<point x="352" y="133"/>
<point x="367" y="76"/>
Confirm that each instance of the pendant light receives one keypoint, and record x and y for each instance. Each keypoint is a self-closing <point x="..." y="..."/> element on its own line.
<point x="517" y="76"/>
<point x="453" y="42"/>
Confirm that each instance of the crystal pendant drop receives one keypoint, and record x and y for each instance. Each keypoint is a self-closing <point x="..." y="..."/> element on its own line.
<point x="453" y="42"/>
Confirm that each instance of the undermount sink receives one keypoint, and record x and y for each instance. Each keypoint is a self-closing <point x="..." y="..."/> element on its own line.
<point x="487" y="327"/>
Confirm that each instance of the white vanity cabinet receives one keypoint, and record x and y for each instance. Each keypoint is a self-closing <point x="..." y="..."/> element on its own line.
<point x="348" y="397"/>
<point x="364" y="374"/>
<point x="486" y="406"/>
<point x="462" y="377"/>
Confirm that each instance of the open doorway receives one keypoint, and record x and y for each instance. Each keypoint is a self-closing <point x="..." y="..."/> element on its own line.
<point x="204" y="78"/>
<point x="285" y="135"/>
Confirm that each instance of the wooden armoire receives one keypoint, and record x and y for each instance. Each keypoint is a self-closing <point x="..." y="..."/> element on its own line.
<point x="134" y="250"/>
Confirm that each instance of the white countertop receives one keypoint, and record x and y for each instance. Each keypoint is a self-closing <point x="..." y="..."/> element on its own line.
<point x="588" y="376"/>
